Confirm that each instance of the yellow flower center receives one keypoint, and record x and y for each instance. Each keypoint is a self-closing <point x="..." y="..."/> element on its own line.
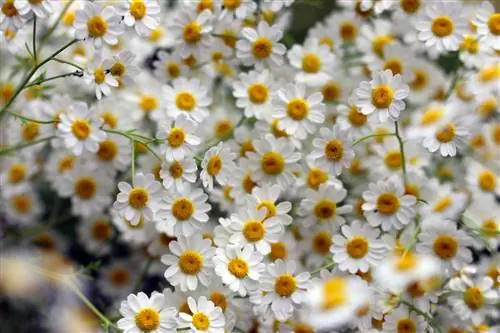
<point x="21" y="203"/>
<point x="185" y="101"/>
<point x="227" y="193"/>
<point x="81" y="129"/>
<point x="176" y="170"/>
<point x="356" y="118"/>
<point x="148" y="103"/>
<point x="277" y="132"/>
<point x="348" y="31"/>
<point x="6" y="92"/>
<point x="406" y="325"/>
<point x="474" y="298"/>
<point x="445" y="246"/>
<point x="97" y="26"/>
<point x="387" y="204"/>
<point x="334" y="150"/>
<point x="395" y="65"/>
<point x="269" y="206"/>
<point x="204" y="4"/>
<point x="410" y="6"/>
<point x="316" y="177"/>
<point x="357" y="247"/>
<point x="182" y="209"/>
<point x="99" y="75"/>
<point x="431" y="116"/>
<point x="118" y="69"/>
<point x="420" y="80"/>
<point x="446" y="133"/>
<point x="138" y="198"/>
<point x="331" y="92"/>
<point x="101" y="230"/>
<point x="494" y="24"/>
<point x="192" y="33"/>
<point x="311" y="63"/>
<point x="119" y="277"/>
<point x="262" y="48"/>
<point x="325" y="209"/>
<point x="190" y="262"/>
<point x="393" y="160"/>
<point x="489" y="228"/>
<point x="272" y="163"/>
<point x="176" y="137"/>
<point x="415" y="289"/>
<point x="201" y="321"/>
<point x="406" y="262"/>
<point x="245" y="147"/>
<point x="66" y="163"/>
<point x="442" y="204"/>
<point x="147" y="319"/>
<point x="248" y="183"/>
<point x="214" y="165"/>
<point x="190" y="61"/>
<point x="69" y="18"/>
<point x="358" y="207"/>
<point x="379" y="43"/>
<point x="303" y="328"/>
<point x="285" y="285"/>
<point x="229" y="37"/>
<point x="489" y="73"/>
<point x="108" y="149"/>
<point x="17" y="173"/>
<point x="328" y="41"/>
<point x="9" y="9"/>
<point x="238" y="267"/>
<point x="278" y="251"/>
<point x="382" y="96"/>
<point x="487" y="180"/>
<point x="321" y="242"/>
<point x="412" y="189"/>
<point x="488" y="107"/>
<point x="30" y="131"/>
<point x="334" y="293"/>
<point x="219" y="300"/>
<point x="138" y="9"/>
<point x="85" y="187"/>
<point x="297" y="109"/>
<point x="109" y="119"/>
<point x="254" y="231"/>
<point x="232" y="4"/>
<point x="258" y="93"/>
<point x="442" y="26"/>
<point x="470" y="44"/>
<point x="223" y="128"/>
<point x="173" y="70"/>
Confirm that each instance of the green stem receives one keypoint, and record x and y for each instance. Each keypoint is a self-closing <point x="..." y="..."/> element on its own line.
<point x="423" y="200"/>
<point x="371" y="136"/>
<point x="427" y="317"/>
<point x="317" y="270"/>
<point x="401" y="148"/>
<point x="31" y="73"/>
<point x="34" y="41"/>
<point x="68" y="63"/>
<point x="7" y="150"/>
<point x="143" y="275"/>
<point x="453" y="84"/>
<point x="133" y="161"/>
<point x="413" y="240"/>
<point x="39" y="82"/>
<point x="136" y="138"/>
<point x="31" y="119"/>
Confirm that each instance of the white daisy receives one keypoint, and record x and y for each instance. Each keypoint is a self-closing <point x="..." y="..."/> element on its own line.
<point x="267" y="197"/>
<point x="138" y="234"/>
<point x="481" y="178"/>
<point x="240" y="9"/>
<point x="204" y="317"/>
<point x="190" y="261"/>
<point x="260" y="46"/>
<point x="298" y="114"/>
<point x="116" y="279"/>
<point x="192" y="31"/>
<point x="113" y="154"/>
<point x="143" y="15"/>
<point x="42" y="9"/>
<point x="217" y="164"/>
<point x="147" y="314"/>
<point x="122" y="68"/>
<point x="444" y="202"/>
<point x="23" y="206"/>
<point x="189" y="97"/>
<point x="178" y="136"/>
<point x="446" y="136"/>
<point x="386" y="204"/>
<point x="482" y="214"/>
<point x="16" y="173"/>
<point x="139" y="200"/>
<point x="169" y="66"/>
<point x="487" y="23"/>
<point x="402" y="319"/>
<point x="10" y="17"/>
<point x="95" y="234"/>
<point x="80" y="130"/>
<point x="359" y="248"/>
<point x="239" y="268"/>
<point x="254" y="93"/>
<point x="183" y="211"/>
<point x="332" y="150"/>
<point x="178" y="173"/>
<point x="382" y="98"/>
<point x="350" y="119"/>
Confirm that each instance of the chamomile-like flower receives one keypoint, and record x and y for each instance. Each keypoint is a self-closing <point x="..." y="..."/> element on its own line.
<point x="187" y="97"/>
<point x="95" y="233"/>
<point x="487" y="24"/>
<point x="254" y="93"/>
<point x="178" y="173"/>
<point x="10" y="17"/>
<point x="267" y="197"/>
<point x="113" y="154"/>
<point x="178" y="136"/>
<point x="404" y="319"/>
<point x="382" y="98"/>
<point x="204" y="317"/>
<point x="140" y="14"/>
<point x="190" y="262"/>
<point x="193" y="32"/>
<point x="446" y="136"/>
<point x="482" y="179"/>
<point x="169" y="66"/>
<point x="41" y="8"/>
<point x="121" y="67"/>
<point x="298" y="113"/>
<point x="217" y="164"/>
<point x="240" y="9"/>
<point x="22" y="206"/>
<point x="139" y="200"/>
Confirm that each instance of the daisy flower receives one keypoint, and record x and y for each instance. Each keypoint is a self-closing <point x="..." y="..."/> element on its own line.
<point x="351" y="120"/>
<point x="254" y="93"/>
<point x="192" y="31"/>
<point x="313" y="61"/>
<point x="145" y="102"/>
<point x="317" y="242"/>
<point x="260" y="46"/>
<point x="146" y="314"/>
<point x="444" y="202"/>
<point x="97" y="24"/>
<point x="285" y="288"/>
<point x="10" y="17"/>
<point x="183" y="211"/>
<point x="122" y="69"/>
<point x="143" y="15"/>
<point x="382" y="98"/>
<point x="217" y="164"/>
<point x="23" y="206"/>
<point x="323" y="206"/>
<point x="80" y="130"/>
<point x="298" y="114"/>
<point x="113" y="154"/>
<point x="447" y="243"/>
<point x="442" y="26"/>
<point x="332" y="150"/>
<point x="473" y="299"/>
<point x="204" y="317"/>
<point x="138" y="200"/>
<point x="190" y="261"/>
<point x="178" y="136"/>
<point x="95" y="234"/>
<point x="16" y="172"/>
<point x="178" y="173"/>
<point x="359" y="247"/>
<point x="403" y="319"/>
<point x="116" y="278"/>
<point x="169" y="66"/>
<point x="267" y="197"/>
<point x="487" y="24"/>
<point x="374" y="38"/>
<point x="42" y="9"/>
<point x="240" y="9"/>
<point x="482" y="214"/>
<point x="386" y="204"/>
<point x="482" y="179"/>
<point x="189" y="97"/>
<point x="239" y="268"/>
<point x="138" y="234"/>
<point x="446" y="136"/>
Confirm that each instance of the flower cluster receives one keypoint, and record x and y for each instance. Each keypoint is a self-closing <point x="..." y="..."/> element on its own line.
<point x="213" y="172"/>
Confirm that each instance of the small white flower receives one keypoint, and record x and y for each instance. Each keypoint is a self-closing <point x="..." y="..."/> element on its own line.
<point x="122" y="69"/>
<point x="178" y="173"/>
<point x="487" y="22"/>
<point x="267" y="197"/>
<point x="482" y="179"/>
<point x="189" y="97"/>
<point x="192" y="31"/>
<point x="143" y="15"/>
<point x="240" y="9"/>
<point x="446" y="136"/>
<point x="190" y="261"/>
<point x="169" y="66"/>
<point x="403" y="317"/>
<point x="100" y="78"/>
<point x="10" y="17"/>
<point x="140" y="200"/>
<point x="217" y="164"/>
<point x="254" y="93"/>
<point x="205" y="317"/>
<point x="42" y="9"/>
<point x="95" y="234"/>
<point x="113" y="154"/>
<point x="178" y="136"/>
<point x="22" y="206"/>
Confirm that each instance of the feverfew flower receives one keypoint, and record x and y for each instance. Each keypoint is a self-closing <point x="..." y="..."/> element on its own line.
<point x="217" y="164"/>
<point x="178" y="136"/>
<point x="487" y="23"/>
<point x="254" y="93"/>
<point x="140" y="14"/>
<point x="187" y="97"/>
<point x="100" y="78"/>
<point x="204" y="317"/>
<point x="10" y="17"/>
<point x="41" y="8"/>
<point x="192" y="30"/>
<point x="178" y="173"/>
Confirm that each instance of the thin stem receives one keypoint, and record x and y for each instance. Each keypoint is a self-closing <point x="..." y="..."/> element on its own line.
<point x="427" y="317"/>
<point x="401" y="148"/>
<point x="39" y="82"/>
<point x="68" y="63"/>
<point x="371" y="136"/>
<point x="7" y="150"/>
<point x="453" y="84"/>
<point x="412" y="241"/>
<point x="317" y="270"/>
<point x="136" y="138"/>
<point x="133" y="161"/>
<point x="49" y="32"/>
<point x="34" y="41"/>
<point x="31" y="119"/>
<point x="143" y="275"/>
